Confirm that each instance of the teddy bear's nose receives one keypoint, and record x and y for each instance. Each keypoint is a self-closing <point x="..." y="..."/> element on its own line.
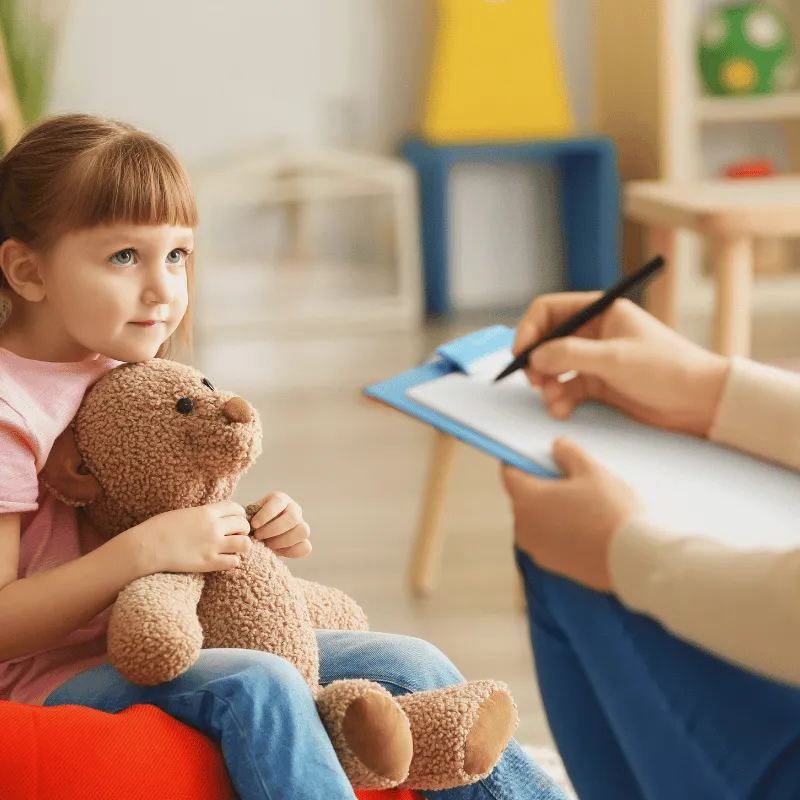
<point x="237" y="410"/>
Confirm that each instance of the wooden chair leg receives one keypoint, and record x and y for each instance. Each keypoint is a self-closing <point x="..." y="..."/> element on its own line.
<point x="427" y="547"/>
<point x="662" y="294"/>
<point x="298" y="216"/>
<point x="733" y="263"/>
<point x="301" y="236"/>
<point x="407" y="242"/>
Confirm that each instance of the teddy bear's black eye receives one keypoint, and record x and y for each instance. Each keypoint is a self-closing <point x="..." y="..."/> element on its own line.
<point x="185" y="405"/>
<point x="207" y="382"/>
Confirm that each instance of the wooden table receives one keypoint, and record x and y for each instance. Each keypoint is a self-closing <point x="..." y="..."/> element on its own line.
<point x="732" y="215"/>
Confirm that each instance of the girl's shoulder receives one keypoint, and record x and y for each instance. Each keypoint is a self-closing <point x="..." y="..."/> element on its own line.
<point x="20" y="454"/>
<point x="38" y="399"/>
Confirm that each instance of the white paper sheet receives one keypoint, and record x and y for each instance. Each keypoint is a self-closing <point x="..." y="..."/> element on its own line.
<point x="688" y="484"/>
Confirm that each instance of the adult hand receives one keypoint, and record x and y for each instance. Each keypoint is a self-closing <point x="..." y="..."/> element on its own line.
<point x="566" y="525"/>
<point x="625" y="358"/>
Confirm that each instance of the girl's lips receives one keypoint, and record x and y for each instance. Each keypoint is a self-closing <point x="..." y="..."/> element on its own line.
<point x="149" y="324"/>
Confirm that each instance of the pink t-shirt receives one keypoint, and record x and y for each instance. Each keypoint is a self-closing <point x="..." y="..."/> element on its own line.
<point x="38" y="400"/>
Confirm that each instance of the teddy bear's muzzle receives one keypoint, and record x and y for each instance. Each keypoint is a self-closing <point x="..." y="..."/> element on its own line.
<point x="240" y="441"/>
<point x="238" y="410"/>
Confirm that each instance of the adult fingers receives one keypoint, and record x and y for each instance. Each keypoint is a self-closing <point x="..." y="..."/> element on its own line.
<point x="548" y="311"/>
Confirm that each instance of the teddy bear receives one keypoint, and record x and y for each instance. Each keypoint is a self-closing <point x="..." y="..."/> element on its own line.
<point x="156" y="436"/>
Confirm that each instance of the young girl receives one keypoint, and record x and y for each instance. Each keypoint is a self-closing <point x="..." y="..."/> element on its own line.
<point x="97" y="232"/>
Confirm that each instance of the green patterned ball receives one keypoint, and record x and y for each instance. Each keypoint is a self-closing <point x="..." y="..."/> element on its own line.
<point x="745" y="49"/>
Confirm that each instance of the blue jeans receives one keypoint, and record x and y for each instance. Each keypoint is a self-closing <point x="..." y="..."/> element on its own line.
<point x="261" y="712"/>
<point x="638" y="713"/>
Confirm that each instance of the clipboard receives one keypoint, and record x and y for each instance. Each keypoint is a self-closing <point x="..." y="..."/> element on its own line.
<point x="689" y="485"/>
<point x="466" y="355"/>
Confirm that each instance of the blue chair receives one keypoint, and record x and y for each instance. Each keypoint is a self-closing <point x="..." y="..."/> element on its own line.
<point x="590" y="205"/>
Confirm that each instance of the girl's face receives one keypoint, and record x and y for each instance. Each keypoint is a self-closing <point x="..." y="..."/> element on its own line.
<point x="119" y="290"/>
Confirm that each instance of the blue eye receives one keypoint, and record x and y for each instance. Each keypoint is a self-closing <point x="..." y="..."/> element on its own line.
<point x="177" y="257"/>
<point x="124" y="258"/>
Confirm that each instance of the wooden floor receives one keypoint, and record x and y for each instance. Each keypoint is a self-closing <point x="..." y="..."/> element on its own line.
<point x="358" y="471"/>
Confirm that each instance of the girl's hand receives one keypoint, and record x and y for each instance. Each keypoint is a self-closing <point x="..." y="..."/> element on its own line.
<point x="280" y="524"/>
<point x="566" y="524"/>
<point x="202" y="539"/>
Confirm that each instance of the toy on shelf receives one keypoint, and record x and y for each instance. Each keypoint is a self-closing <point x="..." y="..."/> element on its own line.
<point x="750" y="168"/>
<point x="496" y="73"/>
<point x="772" y="256"/>
<point x="746" y="49"/>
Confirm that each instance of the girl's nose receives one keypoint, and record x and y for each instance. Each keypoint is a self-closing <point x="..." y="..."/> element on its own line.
<point x="159" y="288"/>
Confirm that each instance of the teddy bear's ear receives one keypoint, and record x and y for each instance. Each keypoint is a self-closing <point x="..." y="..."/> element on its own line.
<point x="65" y="475"/>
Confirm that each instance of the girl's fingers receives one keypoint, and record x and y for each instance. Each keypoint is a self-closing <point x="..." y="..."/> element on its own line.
<point x="236" y="543"/>
<point x="300" y="550"/>
<point x="235" y="525"/>
<point x="228" y="508"/>
<point x="298" y="534"/>
<point x="226" y="562"/>
<point x="288" y="519"/>
<point x="272" y="506"/>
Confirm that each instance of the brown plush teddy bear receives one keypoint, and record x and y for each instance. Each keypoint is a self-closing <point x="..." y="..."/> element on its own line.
<point x="156" y="436"/>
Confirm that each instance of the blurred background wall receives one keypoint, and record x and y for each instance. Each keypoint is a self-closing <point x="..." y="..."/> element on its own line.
<point x="211" y="77"/>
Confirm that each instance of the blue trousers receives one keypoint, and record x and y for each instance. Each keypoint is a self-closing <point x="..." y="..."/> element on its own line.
<point x="638" y="713"/>
<point x="261" y="712"/>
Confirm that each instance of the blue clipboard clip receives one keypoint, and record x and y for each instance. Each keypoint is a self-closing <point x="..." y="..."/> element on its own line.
<point x="459" y="355"/>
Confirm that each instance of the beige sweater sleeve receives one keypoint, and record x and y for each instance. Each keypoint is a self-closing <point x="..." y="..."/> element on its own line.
<point x="741" y="605"/>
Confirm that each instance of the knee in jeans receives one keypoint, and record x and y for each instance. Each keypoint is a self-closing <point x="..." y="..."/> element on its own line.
<point x="254" y="671"/>
<point x="421" y="665"/>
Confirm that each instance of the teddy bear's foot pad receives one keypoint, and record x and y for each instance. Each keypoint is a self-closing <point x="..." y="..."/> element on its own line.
<point x="491" y="733"/>
<point x="369" y="731"/>
<point x="459" y="733"/>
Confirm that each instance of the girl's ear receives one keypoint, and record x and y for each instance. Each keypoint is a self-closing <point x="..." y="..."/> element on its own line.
<point x="65" y="475"/>
<point x="20" y="265"/>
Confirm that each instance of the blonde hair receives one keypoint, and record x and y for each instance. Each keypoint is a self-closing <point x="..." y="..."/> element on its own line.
<point x="75" y="171"/>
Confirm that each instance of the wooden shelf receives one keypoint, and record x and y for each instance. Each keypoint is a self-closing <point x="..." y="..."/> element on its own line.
<point x="747" y="109"/>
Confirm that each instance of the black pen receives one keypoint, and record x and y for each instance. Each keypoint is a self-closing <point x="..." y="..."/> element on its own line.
<point x="577" y="321"/>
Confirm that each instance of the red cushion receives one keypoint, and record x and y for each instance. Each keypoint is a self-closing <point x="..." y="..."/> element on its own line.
<point x="396" y="794"/>
<point x="74" y="753"/>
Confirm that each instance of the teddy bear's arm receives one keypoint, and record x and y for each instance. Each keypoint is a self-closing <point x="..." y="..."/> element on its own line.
<point x="154" y="634"/>
<point x="331" y="609"/>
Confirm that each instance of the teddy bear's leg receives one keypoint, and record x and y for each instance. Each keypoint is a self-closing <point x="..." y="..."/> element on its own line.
<point x="154" y="634"/>
<point x="331" y="609"/>
<point x="459" y="733"/>
<point x="369" y="731"/>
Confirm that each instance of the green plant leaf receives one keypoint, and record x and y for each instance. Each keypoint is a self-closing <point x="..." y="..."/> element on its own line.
<point x="30" y="45"/>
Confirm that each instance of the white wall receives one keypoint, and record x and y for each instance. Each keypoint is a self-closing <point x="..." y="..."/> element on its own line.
<point x="210" y="77"/>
